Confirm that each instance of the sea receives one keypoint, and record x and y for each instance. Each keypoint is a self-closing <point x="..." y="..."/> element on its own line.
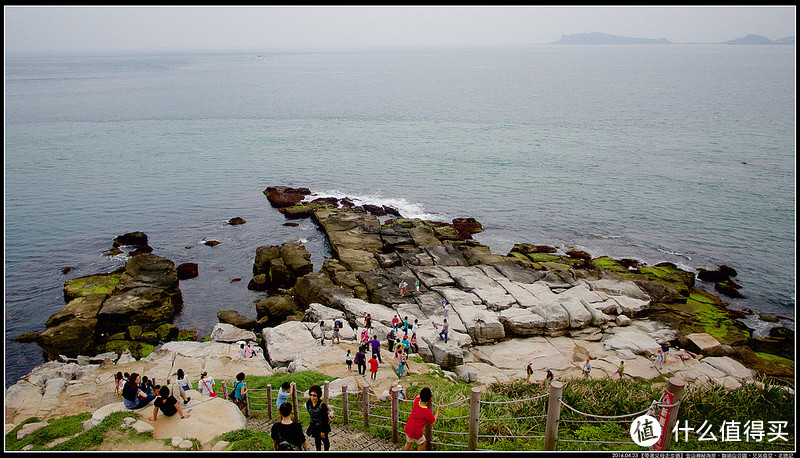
<point x="662" y="153"/>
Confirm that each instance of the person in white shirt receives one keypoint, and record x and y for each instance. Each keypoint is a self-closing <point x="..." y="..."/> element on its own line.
<point x="205" y="384"/>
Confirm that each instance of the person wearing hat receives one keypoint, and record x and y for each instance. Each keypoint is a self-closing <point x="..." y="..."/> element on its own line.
<point x="529" y="370"/>
<point x="206" y="385"/>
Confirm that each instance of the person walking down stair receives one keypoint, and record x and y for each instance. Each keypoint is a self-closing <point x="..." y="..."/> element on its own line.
<point x="319" y="425"/>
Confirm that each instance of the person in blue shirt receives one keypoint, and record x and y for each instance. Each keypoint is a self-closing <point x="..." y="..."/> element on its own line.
<point x="283" y="393"/>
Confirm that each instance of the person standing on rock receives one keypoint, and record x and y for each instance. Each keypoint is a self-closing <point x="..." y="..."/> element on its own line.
<point x="337" y="324"/>
<point x="206" y="385"/>
<point x="421" y="415"/>
<point x="398" y="347"/>
<point x="549" y="375"/>
<point x="406" y="343"/>
<point x="416" y="285"/>
<point x="621" y="369"/>
<point x="322" y="333"/>
<point x="395" y="323"/>
<point x="659" y="360"/>
<point x="168" y="405"/>
<point x="587" y="367"/>
<point x="665" y="348"/>
<point x="132" y="396"/>
<point x="445" y="308"/>
<point x="443" y="332"/>
<point x="415" y="326"/>
<point x="376" y="347"/>
<point x="287" y="434"/>
<point x="390" y="339"/>
<point x="349" y="361"/>
<point x="529" y="370"/>
<point x="373" y="367"/>
<point x="319" y="426"/>
<point x="361" y="361"/>
<point x="368" y="322"/>
<point x="401" y="363"/>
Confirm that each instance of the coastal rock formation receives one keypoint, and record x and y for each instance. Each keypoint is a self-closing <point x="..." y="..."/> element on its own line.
<point x="279" y="266"/>
<point x="144" y="293"/>
<point x="534" y="290"/>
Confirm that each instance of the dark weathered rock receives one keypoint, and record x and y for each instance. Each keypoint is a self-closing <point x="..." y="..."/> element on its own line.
<point x="141" y="250"/>
<point x="187" y="270"/>
<point x="317" y="287"/>
<point x="466" y="227"/>
<point x="265" y="255"/>
<point x="236" y="221"/>
<point x="273" y="310"/>
<point x="258" y="283"/>
<point x="211" y="242"/>
<point x="131" y="239"/>
<point x="297" y="259"/>
<point x="282" y="196"/>
<point x="234" y="318"/>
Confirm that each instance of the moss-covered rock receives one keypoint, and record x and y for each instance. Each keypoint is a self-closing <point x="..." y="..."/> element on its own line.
<point x="187" y="335"/>
<point x="138" y="349"/>
<point x="91" y="284"/>
<point x="134" y="332"/>
<point x="149" y="337"/>
<point x="607" y="263"/>
<point x="166" y="331"/>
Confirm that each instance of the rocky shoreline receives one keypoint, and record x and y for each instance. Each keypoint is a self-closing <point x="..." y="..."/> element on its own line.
<point x="536" y="303"/>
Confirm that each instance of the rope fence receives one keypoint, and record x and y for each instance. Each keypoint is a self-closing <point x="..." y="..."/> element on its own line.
<point x="472" y="418"/>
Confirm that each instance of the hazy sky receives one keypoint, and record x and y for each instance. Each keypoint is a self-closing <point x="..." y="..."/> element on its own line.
<point x="201" y="27"/>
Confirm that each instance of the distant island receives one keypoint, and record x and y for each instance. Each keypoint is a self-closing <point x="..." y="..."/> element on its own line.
<point x="598" y="38"/>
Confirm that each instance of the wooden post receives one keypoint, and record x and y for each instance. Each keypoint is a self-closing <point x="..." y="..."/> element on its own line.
<point x="395" y="413"/>
<point x="269" y="401"/>
<point x="344" y="405"/>
<point x="224" y="390"/>
<point x="295" y="406"/>
<point x="365" y="404"/>
<point x="474" y="415"/>
<point x="675" y="386"/>
<point x="428" y="437"/>
<point x="553" y="413"/>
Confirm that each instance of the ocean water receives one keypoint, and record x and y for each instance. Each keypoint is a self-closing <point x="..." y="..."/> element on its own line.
<point x="679" y="153"/>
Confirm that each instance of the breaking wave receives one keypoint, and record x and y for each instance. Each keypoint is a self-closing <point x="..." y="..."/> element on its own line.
<point x="407" y="209"/>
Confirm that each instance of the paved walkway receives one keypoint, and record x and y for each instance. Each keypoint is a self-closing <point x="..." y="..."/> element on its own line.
<point x="343" y="438"/>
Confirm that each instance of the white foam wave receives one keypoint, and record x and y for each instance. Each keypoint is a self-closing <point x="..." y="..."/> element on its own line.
<point x="407" y="209"/>
<point x="675" y="253"/>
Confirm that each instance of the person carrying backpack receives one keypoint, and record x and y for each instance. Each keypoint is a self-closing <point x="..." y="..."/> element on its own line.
<point x="288" y="434"/>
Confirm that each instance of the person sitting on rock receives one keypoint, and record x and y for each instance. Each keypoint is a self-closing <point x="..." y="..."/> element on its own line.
<point x="132" y="396"/>
<point x="147" y="385"/>
<point x="414" y="345"/>
<point x="119" y="383"/>
<point x="168" y="405"/>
